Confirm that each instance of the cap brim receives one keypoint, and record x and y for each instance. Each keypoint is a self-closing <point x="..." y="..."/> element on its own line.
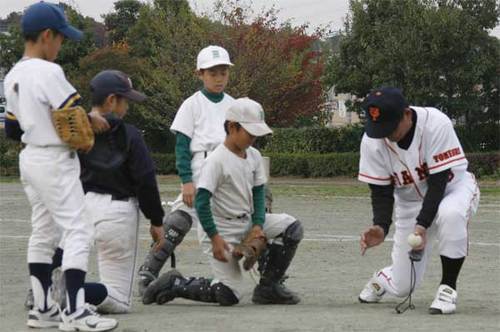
<point x="380" y="130"/>
<point x="257" y="129"/>
<point x="215" y="63"/>
<point x="71" y="32"/>
<point x="134" y="95"/>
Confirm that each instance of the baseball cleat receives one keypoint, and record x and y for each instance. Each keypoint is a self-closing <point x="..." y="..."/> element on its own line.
<point x="86" y="319"/>
<point x="41" y="319"/>
<point x="372" y="292"/>
<point x="274" y="293"/>
<point x="445" y="301"/>
<point x="162" y="283"/>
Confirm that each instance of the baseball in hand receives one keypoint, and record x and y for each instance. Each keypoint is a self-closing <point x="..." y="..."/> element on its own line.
<point x="414" y="240"/>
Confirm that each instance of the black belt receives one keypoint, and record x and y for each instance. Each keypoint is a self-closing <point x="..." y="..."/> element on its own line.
<point x="119" y="198"/>
<point x="241" y="216"/>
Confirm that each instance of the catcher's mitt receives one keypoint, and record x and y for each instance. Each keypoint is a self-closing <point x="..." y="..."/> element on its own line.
<point x="252" y="246"/>
<point x="73" y="127"/>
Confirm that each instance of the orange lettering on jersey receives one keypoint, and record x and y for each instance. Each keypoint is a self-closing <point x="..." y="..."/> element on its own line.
<point x="374" y="112"/>
<point x="447" y="155"/>
<point x="407" y="178"/>
<point x="422" y="171"/>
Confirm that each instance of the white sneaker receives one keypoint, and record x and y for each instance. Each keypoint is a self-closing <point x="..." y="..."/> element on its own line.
<point x="372" y="292"/>
<point x="85" y="319"/>
<point x="445" y="301"/>
<point x="48" y="318"/>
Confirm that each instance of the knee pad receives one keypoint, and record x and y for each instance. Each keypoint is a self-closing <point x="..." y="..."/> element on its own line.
<point x="293" y="234"/>
<point x="224" y="295"/>
<point x="177" y="224"/>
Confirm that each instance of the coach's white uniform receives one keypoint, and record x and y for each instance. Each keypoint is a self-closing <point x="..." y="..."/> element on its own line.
<point x="202" y="121"/>
<point x="230" y="179"/>
<point x="434" y="148"/>
<point x="49" y="169"/>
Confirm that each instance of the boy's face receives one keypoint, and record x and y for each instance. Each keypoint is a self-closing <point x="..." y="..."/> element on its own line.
<point x="240" y="137"/>
<point x="215" y="79"/>
<point x="117" y="105"/>
<point x="51" y="44"/>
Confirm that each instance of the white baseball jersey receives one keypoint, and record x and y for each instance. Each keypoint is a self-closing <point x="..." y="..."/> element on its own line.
<point x="34" y="87"/>
<point x="231" y="179"/>
<point x="202" y="121"/>
<point x="49" y="169"/>
<point x="434" y="148"/>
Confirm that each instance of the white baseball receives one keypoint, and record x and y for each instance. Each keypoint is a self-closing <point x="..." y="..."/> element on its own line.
<point x="414" y="240"/>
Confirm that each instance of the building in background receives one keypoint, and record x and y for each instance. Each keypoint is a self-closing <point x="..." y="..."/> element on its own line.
<point x="336" y="109"/>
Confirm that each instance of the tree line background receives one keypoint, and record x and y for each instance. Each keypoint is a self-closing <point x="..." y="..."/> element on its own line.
<point x="438" y="51"/>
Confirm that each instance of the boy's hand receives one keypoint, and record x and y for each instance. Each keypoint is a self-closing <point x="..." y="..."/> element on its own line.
<point x="158" y="236"/>
<point x="188" y="192"/>
<point x="220" y="248"/>
<point x="98" y="122"/>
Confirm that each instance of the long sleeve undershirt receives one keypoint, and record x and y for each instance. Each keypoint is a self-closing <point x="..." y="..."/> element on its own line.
<point x="202" y="206"/>
<point x="259" y="205"/>
<point x="183" y="157"/>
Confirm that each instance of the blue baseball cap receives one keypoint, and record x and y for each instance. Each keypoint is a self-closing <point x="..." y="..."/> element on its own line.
<point x="384" y="109"/>
<point x="44" y="15"/>
<point x="114" y="82"/>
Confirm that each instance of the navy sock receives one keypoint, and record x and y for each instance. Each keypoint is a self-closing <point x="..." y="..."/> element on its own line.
<point x="57" y="258"/>
<point x="95" y="293"/>
<point x="42" y="272"/>
<point x="74" y="282"/>
<point x="451" y="268"/>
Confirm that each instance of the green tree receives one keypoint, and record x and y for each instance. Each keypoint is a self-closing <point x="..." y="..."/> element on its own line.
<point x="439" y="52"/>
<point x="119" y="22"/>
<point x="12" y="44"/>
<point x="276" y="64"/>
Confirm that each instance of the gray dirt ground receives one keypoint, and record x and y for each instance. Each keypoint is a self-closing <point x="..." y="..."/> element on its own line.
<point x="328" y="271"/>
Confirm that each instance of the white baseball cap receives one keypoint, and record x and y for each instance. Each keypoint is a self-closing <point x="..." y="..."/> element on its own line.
<point x="250" y="115"/>
<point x="212" y="56"/>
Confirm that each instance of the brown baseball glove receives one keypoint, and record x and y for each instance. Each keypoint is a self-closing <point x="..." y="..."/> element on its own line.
<point x="73" y="127"/>
<point x="251" y="247"/>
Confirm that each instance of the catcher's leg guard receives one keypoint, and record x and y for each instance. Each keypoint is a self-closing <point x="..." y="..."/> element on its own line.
<point x="196" y="289"/>
<point x="177" y="224"/>
<point x="273" y="265"/>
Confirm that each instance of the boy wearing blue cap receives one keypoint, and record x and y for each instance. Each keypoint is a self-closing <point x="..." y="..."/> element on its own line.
<point x="119" y="179"/>
<point x="50" y="170"/>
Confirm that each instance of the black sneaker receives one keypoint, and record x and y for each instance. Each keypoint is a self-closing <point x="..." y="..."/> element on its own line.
<point x="274" y="293"/>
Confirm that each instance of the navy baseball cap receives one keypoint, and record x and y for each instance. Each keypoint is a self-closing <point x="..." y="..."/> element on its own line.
<point x="384" y="109"/>
<point x="109" y="82"/>
<point x="44" y="15"/>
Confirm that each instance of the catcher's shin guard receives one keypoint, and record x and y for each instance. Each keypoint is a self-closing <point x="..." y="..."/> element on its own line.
<point x="196" y="289"/>
<point x="275" y="261"/>
<point x="273" y="265"/>
<point x="177" y="224"/>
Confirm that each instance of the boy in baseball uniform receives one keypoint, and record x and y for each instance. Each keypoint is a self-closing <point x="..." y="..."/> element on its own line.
<point x="199" y="128"/>
<point x="50" y="170"/>
<point x="119" y="179"/>
<point x="230" y="202"/>
<point x="414" y="164"/>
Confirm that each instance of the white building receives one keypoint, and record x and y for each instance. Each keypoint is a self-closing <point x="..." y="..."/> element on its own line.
<point x="336" y="109"/>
